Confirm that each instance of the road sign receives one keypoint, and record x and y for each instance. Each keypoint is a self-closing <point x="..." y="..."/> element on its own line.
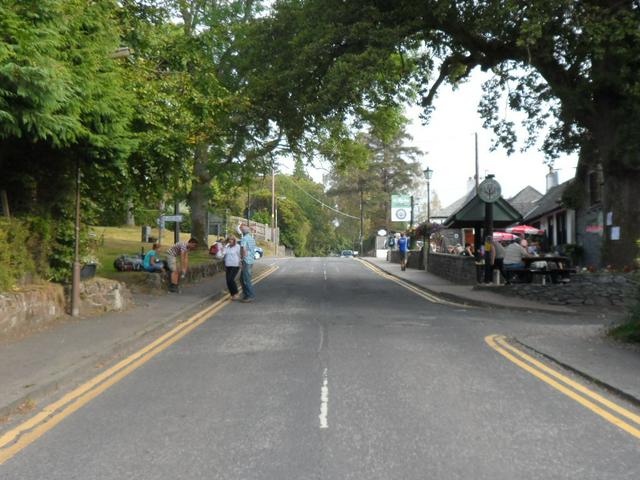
<point x="172" y="218"/>
<point x="400" y="208"/>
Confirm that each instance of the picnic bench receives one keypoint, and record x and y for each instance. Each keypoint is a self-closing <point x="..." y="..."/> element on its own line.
<point x="557" y="268"/>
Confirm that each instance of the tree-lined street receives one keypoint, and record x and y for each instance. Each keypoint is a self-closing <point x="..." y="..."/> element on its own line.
<point x="338" y="373"/>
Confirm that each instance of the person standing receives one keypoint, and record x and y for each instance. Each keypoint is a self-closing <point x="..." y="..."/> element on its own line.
<point x="403" y="247"/>
<point x="232" y="265"/>
<point x="497" y="258"/>
<point x="180" y="249"/>
<point x="247" y="255"/>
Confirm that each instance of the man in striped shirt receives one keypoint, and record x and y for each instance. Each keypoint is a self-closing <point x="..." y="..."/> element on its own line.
<point x="180" y="249"/>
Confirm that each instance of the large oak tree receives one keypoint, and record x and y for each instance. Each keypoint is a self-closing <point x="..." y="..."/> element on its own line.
<point x="575" y="63"/>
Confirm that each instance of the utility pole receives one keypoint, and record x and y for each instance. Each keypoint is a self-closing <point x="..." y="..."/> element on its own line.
<point x="160" y="221"/>
<point x="411" y="216"/>
<point x="176" y="211"/>
<point x="477" y="177"/>
<point x="75" y="279"/>
<point x="361" y="219"/>
<point x="273" y="209"/>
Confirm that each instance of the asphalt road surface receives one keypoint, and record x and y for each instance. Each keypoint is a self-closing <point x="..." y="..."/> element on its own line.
<point x="336" y="372"/>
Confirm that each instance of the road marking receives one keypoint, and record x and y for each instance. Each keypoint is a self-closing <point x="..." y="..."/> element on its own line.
<point x="428" y="296"/>
<point x="540" y="371"/>
<point x="325" y="273"/>
<point x="324" y="400"/>
<point x="29" y="431"/>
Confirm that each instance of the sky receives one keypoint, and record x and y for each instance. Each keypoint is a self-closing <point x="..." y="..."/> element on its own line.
<point x="448" y="141"/>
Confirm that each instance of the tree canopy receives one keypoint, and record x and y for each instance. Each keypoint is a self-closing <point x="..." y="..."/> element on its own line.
<point x="574" y="63"/>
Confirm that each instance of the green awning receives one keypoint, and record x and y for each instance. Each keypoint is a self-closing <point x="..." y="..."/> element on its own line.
<point x="471" y="215"/>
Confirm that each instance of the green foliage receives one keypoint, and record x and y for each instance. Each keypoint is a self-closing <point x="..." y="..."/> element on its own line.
<point x="630" y="330"/>
<point x="14" y="254"/>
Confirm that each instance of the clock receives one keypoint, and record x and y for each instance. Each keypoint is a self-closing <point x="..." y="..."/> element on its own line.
<point x="489" y="190"/>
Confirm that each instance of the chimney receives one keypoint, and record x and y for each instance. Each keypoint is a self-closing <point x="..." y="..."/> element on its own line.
<point x="552" y="178"/>
<point x="471" y="184"/>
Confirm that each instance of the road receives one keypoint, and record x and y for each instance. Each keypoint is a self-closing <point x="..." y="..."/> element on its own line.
<point x="338" y="373"/>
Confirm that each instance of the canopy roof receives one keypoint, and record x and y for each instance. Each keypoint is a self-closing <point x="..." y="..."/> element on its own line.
<point x="471" y="214"/>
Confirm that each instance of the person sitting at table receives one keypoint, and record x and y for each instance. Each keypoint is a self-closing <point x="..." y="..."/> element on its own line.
<point x="468" y="250"/>
<point x="515" y="253"/>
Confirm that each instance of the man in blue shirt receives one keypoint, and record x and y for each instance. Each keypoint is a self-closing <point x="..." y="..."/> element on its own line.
<point x="247" y="254"/>
<point x="403" y="246"/>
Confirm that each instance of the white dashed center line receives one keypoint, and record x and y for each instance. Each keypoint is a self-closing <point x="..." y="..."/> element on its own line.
<point x="324" y="400"/>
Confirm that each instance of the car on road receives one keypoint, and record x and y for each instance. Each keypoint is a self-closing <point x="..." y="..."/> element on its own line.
<point x="347" y="253"/>
<point x="259" y="253"/>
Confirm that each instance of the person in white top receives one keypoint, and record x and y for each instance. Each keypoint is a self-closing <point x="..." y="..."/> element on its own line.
<point x="232" y="265"/>
<point x="515" y="253"/>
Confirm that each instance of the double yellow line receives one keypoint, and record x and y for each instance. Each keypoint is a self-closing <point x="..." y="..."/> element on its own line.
<point x="29" y="431"/>
<point x="605" y="408"/>
<point x="408" y="286"/>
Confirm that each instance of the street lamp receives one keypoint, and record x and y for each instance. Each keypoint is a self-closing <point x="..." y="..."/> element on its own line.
<point x="122" y="52"/>
<point x="428" y="173"/>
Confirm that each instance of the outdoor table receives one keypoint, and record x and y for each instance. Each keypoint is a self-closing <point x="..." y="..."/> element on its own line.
<point x="562" y="262"/>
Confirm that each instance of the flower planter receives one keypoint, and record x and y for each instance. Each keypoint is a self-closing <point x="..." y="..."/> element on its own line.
<point x="88" y="271"/>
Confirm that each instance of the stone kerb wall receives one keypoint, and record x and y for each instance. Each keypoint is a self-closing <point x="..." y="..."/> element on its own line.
<point x="592" y="289"/>
<point x="455" y="268"/>
<point x="30" y="308"/>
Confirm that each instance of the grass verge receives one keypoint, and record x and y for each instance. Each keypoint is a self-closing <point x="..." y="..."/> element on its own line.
<point x="114" y="241"/>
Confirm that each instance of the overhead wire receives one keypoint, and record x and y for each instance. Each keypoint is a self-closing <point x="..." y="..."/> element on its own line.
<point x="324" y="204"/>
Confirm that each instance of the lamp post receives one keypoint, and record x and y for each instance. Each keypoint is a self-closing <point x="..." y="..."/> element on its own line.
<point x="428" y="173"/>
<point x="122" y="52"/>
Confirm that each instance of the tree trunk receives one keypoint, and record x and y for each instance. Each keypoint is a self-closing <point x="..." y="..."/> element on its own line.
<point x="199" y="196"/>
<point x="621" y="198"/>
<point x="130" y="221"/>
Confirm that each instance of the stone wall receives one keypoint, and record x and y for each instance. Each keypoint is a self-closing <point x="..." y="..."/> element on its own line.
<point x="100" y="295"/>
<point x="194" y="274"/>
<point x="30" y="308"/>
<point x="592" y="289"/>
<point x="414" y="259"/>
<point x="455" y="268"/>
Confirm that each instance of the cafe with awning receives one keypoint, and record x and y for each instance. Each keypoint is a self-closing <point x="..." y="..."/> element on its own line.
<point x="472" y="216"/>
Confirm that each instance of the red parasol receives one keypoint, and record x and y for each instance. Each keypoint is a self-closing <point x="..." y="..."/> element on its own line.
<point x="525" y="230"/>
<point x="503" y="236"/>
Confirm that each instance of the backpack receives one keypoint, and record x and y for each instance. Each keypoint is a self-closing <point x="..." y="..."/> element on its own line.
<point x="128" y="263"/>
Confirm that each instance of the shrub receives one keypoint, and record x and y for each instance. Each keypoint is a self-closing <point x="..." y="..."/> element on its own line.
<point x="15" y="259"/>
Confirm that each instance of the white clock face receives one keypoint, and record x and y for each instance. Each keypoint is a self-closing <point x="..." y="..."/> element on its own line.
<point x="489" y="191"/>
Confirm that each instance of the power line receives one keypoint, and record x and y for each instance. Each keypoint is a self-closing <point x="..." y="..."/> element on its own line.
<point x="322" y="203"/>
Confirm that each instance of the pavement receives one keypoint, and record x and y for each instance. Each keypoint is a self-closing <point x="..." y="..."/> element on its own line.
<point x="47" y="361"/>
<point x="463" y="293"/>
<point x="336" y="372"/>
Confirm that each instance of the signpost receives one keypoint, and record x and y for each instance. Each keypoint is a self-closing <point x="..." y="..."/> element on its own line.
<point x="401" y="208"/>
<point x="489" y="192"/>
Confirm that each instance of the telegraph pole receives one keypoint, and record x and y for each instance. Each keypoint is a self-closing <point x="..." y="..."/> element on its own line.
<point x="273" y="209"/>
<point x="477" y="164"/>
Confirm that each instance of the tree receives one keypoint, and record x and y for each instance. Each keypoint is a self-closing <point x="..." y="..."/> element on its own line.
<point x="62" y="102"/>
<point x="387" y="166"/>
<point x="573" y="62"/>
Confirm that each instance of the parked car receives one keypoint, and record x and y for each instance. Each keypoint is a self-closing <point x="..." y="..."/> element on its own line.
<point x="259" y="253"/>
<point x="347" y="253"/>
